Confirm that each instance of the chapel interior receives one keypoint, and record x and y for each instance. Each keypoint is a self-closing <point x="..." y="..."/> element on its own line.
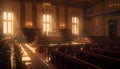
<point x="59" y="34"/>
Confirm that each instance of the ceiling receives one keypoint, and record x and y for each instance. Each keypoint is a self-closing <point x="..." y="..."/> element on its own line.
<point x="74" y="3"/>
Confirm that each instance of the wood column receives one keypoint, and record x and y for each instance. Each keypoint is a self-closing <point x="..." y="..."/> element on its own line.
<point x="34" y="14"/>
<point x="66" y="16"/>
<point x="57" y="15"/>
<point x="22" y="14"/>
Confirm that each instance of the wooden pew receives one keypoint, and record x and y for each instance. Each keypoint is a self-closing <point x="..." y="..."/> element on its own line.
<point x="100" y="60"/>
<point x="65" y="61"/>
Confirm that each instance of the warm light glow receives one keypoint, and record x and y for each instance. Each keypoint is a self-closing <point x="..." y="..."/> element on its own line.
<point x="9" y="27"/>
<point x="31" y="48"/>
<point x="5" y="15"/>
<point x="27" y="63"/>
<point x="48" y="18"/>
<point x="25" y="56"/>
<point x="47" y="26"/>
<point x="75" y="25"/>
<point x="62" y="26"/>
<point x="29" y="24"/>
<point x="8" y="23"/>
<point x="46" y="4"/>
<point x="24" y="52"/>
<point x="12" y="25"/>
<point x="113" y="5"/>
<point x="74" y="20"/>
<point x="9" y="16"/>
<point x="26" y="59"/>
<point x="44" y="27"/>
<point x="75" y="43"/>
<point x="44" y="18"/>
<point x="5" y="27"/>
<point x="81" y="49"/>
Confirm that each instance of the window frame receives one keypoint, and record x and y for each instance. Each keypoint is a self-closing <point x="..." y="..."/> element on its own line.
<point x="47" y="24"/>
<point x="8" y="28"/>
<point x="75" y="25"/>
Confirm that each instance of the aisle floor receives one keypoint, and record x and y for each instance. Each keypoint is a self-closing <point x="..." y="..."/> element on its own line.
<point x="36" y="60"/>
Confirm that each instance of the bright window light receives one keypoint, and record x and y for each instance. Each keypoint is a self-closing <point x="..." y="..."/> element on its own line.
<point x="5" y="27"/>
<point x="5" y="15"/>
<point x="8" y="23"/>
<point x="9" y="27"/>
<point x="75" y="25"/>
<point x="47" y="18"/>
<point x="9" y="16"/>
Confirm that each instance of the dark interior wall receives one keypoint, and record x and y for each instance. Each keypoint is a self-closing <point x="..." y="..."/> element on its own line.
<point x="31" y="12"/>
<point x="14" y="7"/>
<point x="97" y="16"/>
<point x="93" y="18"/>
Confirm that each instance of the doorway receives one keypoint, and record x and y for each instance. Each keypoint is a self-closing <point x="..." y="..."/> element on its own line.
<point x="112" y="28"/>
